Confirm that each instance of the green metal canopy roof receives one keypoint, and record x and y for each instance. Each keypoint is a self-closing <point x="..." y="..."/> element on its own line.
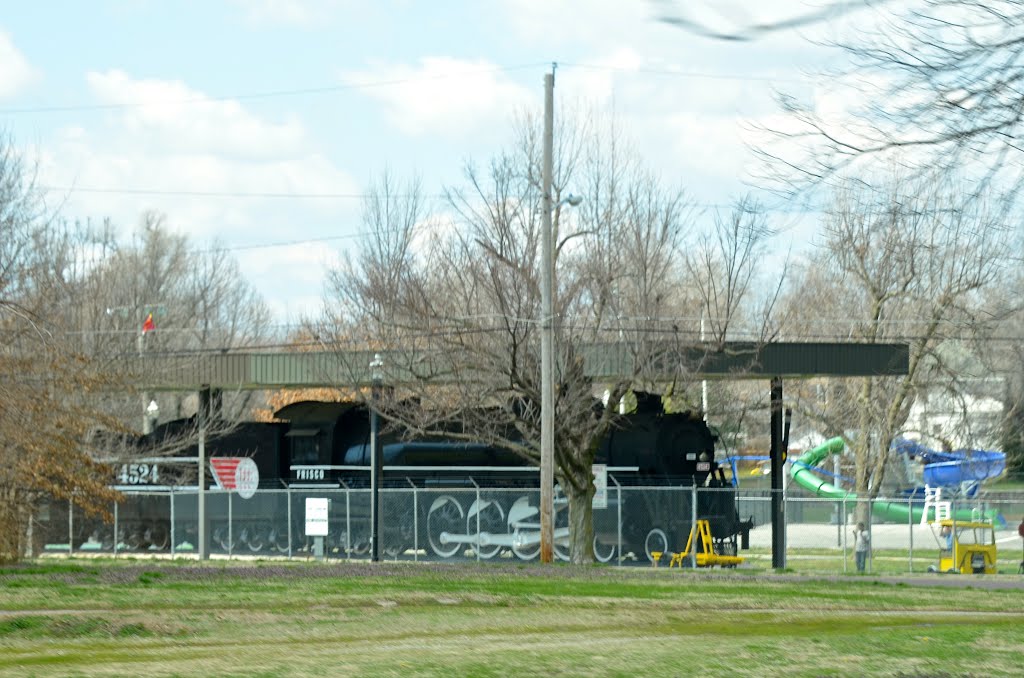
<point x="601" y="362"/>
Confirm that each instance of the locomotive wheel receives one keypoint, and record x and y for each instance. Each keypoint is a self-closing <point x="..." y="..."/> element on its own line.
<point x="445" y="515"/>
<point x="157" y="537"/>
<point x="526" y="552"/>
<point x="400" y="536"/>
<point x="278" y="540"/>
<point x="223" y="539"/>
<point x="561" y="547"/>
<point x="360" y="546"/>
<point x="492" y="521"/>
<point x="603" y="552"/>
<point x="519" y="513"/>
<point x="656" y="540"/>
<point x="253" y="538"/>
<point x="135" y="538"/>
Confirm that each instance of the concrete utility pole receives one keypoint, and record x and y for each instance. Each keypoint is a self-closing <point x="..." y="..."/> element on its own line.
<point x="547" y="337"/>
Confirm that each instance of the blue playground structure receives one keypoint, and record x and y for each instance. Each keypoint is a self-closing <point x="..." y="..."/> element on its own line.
<point x="963" y="470"/>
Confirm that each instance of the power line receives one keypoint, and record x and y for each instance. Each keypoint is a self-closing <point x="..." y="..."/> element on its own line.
<point x="329" y="89"/>
<point x="212" y="194"/>
<point x="337" y="196"/>
<point x="703" y="75"/>
<point x="326" y="89"/>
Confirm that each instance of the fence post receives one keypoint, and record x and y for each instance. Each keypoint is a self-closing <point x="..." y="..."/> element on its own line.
<point x="415" y="522"/>
<point x="785" y="516"/>
<point x="693" y="525"/>
<point x="843" y="518"/>
<point x="348" y="521"/>
<point x="171" y="496"/>
<point x="116" y="531"/>
<point x="618" y="518"/>
<point x="910" y="526"/>
<point x="288" y="494"/>
<point x="871" y="537"/>
<point x="71" y="526"/>
<point x="477" y="549"/>
<point x="231" y="526"/>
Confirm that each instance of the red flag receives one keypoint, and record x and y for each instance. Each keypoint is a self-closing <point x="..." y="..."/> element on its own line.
<point x="149" y="325"/>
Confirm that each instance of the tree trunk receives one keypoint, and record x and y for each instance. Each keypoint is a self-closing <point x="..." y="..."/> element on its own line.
<point x="581" y="522"/>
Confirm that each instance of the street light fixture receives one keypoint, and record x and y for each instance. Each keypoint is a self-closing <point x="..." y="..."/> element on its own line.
<point x="153" y="412"/>
<point x="376" y="465"/>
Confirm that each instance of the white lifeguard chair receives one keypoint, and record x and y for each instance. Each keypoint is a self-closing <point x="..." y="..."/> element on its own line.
<point x="942" y="510"/>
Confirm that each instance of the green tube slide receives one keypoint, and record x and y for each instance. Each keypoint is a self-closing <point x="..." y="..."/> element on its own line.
<point x="802" y="474"/>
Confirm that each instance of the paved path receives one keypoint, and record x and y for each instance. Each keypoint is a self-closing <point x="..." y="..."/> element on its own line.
<point x="885" y="536"/>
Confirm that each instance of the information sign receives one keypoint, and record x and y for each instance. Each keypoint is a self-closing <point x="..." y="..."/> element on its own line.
<point x="600" y="500"/>
<point x="316" y="516"/>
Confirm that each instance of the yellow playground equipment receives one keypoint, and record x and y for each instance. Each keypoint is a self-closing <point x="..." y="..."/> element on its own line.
<point x="706" y="556"/>
<point x="966" y="547"/>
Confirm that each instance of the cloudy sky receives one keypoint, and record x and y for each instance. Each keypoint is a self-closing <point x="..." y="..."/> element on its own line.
<point x="259" y="123"/>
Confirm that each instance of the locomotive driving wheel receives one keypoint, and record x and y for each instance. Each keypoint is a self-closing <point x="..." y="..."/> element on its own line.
<point x="523" y="523"/>
<point x="253" y="538"/>
<point x="278" y="540"/>
<point x="158" y="537"/>
<point x="603" y="551"/>
<point x="445" y="515"/>
<point x="491" y="518"/>
<point x="224" y="538"/>
<point x="561" y="547"/>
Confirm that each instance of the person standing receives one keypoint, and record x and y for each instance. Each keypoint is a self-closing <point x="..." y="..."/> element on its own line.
<point x="946" y="538"/>
<point x="861" y="546"/>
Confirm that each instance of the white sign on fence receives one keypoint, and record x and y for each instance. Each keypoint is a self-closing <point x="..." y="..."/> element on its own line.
<point x="316" y="516"/>
<point x="600" y="500"/>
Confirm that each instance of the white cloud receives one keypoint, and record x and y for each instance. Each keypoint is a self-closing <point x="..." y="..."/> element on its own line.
<point x="296" y="268"/>
<point x="169" y="113"/>
<point x="15" y="71"/>
<point x="181" y="144"/>
<point x="444" y="95"/>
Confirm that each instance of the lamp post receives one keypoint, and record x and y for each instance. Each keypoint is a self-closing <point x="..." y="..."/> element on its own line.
<point x="376" y="465"/>
<point x="547" y="334"/>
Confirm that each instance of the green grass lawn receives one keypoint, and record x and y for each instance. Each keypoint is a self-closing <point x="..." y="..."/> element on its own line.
<point x="94" y="618"/>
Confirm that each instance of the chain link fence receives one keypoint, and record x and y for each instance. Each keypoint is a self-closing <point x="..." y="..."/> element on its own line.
<point x="480" y="523"/>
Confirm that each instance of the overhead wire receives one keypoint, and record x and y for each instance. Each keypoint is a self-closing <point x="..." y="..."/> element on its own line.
<point x="349" y="86"/>
<point x="271" y="94"/>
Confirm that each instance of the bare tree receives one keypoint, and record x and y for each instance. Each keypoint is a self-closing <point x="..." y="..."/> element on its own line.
<point x="726" y="264"/>
<point x="906" y="262"/>
<point x="679" y="14"/>
<point x="938" y="86"/>
<point x="457" y="299"/>
<point x="199" y="300"/>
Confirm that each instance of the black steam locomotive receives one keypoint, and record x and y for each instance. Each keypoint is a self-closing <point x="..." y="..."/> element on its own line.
<point x="449" y="499"/>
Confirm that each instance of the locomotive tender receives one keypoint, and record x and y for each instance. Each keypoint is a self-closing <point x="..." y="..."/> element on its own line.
<point x="474" y="499"/>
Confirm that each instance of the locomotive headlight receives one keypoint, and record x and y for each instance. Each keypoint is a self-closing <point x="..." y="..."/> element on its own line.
<point x="704" y="456"/>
